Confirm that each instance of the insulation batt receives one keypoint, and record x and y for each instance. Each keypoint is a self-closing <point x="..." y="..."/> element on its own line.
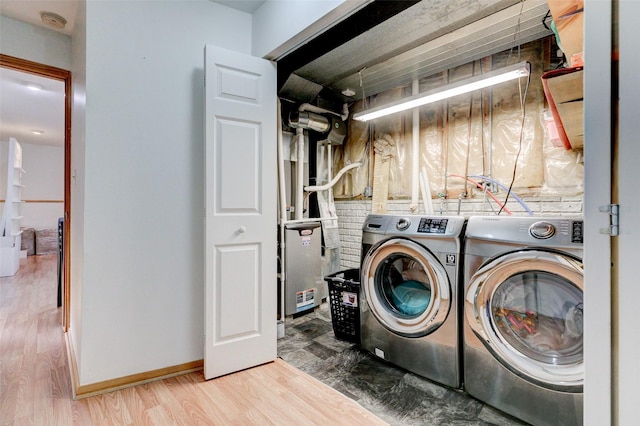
<point x="481" y="133"/>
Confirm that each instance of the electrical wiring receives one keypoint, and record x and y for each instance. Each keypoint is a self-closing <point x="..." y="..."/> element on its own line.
<point x="493" y="197"/>
<point x="523" y="105"/>
<point x="518" y="199"/>
<point x="470" y="118"/>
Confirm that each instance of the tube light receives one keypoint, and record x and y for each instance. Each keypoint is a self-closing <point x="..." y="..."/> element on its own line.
<point x="477" y="82"/>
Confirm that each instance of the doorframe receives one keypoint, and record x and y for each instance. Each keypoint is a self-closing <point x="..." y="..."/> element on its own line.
<point x="43" y="70"/>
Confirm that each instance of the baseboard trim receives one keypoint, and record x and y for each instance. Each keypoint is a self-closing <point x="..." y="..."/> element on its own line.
<point x="73" y="366"/>
<point x="85" y="391"/>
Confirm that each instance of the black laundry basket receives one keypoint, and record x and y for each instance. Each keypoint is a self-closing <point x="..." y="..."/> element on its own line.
<point x="344" y="301"/>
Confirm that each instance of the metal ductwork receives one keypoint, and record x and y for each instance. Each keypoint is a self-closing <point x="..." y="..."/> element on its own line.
<point x="309" y="121"/>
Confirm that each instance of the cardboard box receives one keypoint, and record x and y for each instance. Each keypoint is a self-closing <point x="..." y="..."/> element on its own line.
<point x="564" y="91"/>
<point x="568" y="15"/>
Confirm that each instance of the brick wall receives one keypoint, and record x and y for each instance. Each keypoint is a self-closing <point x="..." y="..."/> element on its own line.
<point x="351" y="216"/>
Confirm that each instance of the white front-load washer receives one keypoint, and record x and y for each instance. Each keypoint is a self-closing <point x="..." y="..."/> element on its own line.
<point x="410" y="308"/>
<point x="523" y="307"/>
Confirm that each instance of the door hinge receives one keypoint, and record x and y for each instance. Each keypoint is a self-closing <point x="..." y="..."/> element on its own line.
<point x="614" y="219"/>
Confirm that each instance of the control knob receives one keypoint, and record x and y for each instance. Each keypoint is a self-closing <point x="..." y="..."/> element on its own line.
<point x="542" y="230"/>
<point x="403" y="223"/>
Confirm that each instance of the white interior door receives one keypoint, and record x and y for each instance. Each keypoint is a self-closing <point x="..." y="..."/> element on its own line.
<point x="597" y="246"/>
<point x="241" y="221"/>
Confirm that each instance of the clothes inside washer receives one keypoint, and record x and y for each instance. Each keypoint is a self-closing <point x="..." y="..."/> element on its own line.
<point x="411" y="297"/>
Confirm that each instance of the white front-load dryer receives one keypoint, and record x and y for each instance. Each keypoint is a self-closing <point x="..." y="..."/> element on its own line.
<point x="523" y="309"/>
<point x="410" y="304"/>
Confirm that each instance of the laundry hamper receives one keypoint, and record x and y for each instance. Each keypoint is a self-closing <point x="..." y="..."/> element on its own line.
<point x="344" y="301"/>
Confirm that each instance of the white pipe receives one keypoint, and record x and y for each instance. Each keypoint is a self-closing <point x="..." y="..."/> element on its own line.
<point x="426" y="191"/>
<point x="281" y="179"/>
<point x="319" y="110"/>
<point x="415" y="156"/>
<point x="329" y="171"/>
<point x="423" y="189"/>
<point x="320" y="160"/>
<point x="300" y="172"/>
<point x="283" y="212"/>
<point x="308" y="220"/>
<point x="334" y="180"/>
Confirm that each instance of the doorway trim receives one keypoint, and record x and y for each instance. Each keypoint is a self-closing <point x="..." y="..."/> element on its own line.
<point x="65" y="76"/>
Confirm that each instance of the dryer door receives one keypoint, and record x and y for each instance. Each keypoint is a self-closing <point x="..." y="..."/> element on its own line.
<point x="526" y="307"/>
<point x="406" y="287"/>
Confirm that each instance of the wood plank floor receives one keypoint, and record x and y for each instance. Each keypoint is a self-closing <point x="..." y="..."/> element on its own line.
<point x="35" y="387"/>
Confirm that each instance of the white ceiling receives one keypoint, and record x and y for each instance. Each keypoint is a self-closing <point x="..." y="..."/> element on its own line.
<point x="23" y="110"/>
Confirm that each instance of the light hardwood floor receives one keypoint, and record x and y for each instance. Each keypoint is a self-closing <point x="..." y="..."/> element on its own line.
<point x="35" y="387"/>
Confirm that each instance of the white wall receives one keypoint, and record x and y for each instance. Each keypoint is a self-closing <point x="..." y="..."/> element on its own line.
<point x="44" y="181"/>
<point x="138" y="148"/>
<point x="35" y="44"/>
<point x="78" y="132"/>
<point x="281" y="25"/>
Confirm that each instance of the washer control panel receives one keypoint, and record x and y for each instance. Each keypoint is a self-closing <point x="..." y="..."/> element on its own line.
<point x="429" y="225"/>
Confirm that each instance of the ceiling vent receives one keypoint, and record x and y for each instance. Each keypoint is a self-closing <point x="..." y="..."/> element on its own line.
<point x="53" y="20"/>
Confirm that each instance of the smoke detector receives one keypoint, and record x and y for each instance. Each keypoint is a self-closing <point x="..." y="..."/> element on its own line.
<point x="53" y="20"/>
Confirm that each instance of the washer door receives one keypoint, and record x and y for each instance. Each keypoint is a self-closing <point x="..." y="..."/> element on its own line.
<point x="526" y="307"/>
<point x="406" y="287"/>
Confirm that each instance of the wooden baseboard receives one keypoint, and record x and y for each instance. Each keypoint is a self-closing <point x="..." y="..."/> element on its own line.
<point x="85" y="391"/>
<point x="73" y="366"/>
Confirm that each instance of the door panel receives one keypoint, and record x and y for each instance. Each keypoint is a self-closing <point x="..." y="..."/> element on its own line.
<point x="240" y="192"/>
<point x="234" y="323"/>
<point x="239" y="158"/>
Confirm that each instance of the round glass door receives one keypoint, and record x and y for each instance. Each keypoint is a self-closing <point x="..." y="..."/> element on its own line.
<point x="406" y="287"/>
<point x="527" y="308"/>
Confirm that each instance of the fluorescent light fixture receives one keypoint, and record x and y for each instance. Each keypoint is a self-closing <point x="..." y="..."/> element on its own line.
<point x="470" y="84"/>
<point x="37" y="132"/>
